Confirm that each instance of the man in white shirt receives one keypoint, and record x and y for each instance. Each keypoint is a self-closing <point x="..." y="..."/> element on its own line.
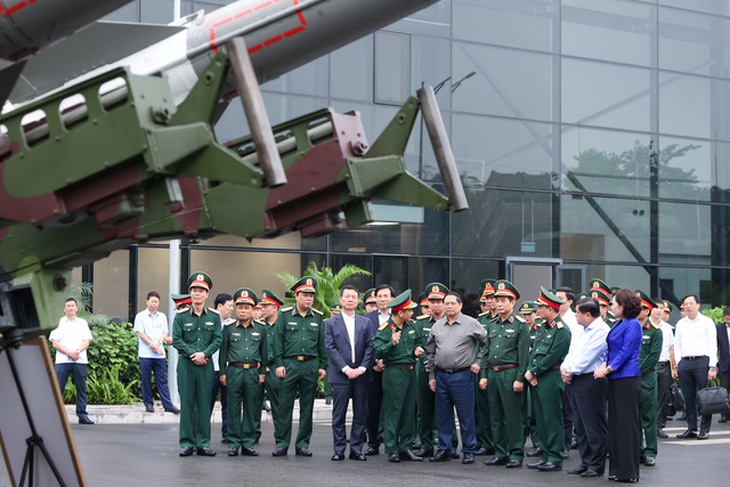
<point x="695" y="341"/>
<point x="666" y="368"/>
<point x="71" y="339"/>
<point x="152" y="333"/>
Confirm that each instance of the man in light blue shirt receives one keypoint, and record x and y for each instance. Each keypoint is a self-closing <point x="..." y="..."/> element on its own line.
<point x="152" y="332"/>
<point x="588" y="398"/>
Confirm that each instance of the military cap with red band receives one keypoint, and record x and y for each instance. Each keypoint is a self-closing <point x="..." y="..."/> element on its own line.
<point x="369" y="296"/>
<point x="201" y="280"/>
<point x="488" y="287"/>
<point x="505" y="288"/>
<point x="306" y="284"/>
<point x="180" y="299"/>
<point x="436" y="290"/>
<point x="646" y="301"/>
<point x="599" y="284"/>
<point x="267" y="297"/>
<point x="245" y="296"/>
<point x="601" y="296"/>
<point x="401" y="302"/>
<point x="549" y="299"/>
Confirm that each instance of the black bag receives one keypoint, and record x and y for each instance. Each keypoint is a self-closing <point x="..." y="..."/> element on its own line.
<point x="675" y="400"/>
<point x="713" y="400"/>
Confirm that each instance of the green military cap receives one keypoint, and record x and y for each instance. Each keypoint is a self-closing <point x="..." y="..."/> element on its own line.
<point x="505" y="288"/>
<point x="581" y="296"/>
<point x="436" y="290"/>
<point x="423" y="299"/>
<point x="401" y="302"/>
<point x="306" y="284"/>
<point x="549" y="299"/>
<point x="369" y="296"/>
<point x="246" y="296"/>
<point x="646" y="301"/>
<point x="527" y="308"/>
<point x="488" y="287"/>
<point x="597" y="283"/>
<point x="267" y="297"/>
<point x="200" y="279"/>
<point x="668" y="306"/>
<point x="601" y="296"/>
<point x="335" y="309"/>
<point x="614" y="290"/>
<point x="181" y="299"/>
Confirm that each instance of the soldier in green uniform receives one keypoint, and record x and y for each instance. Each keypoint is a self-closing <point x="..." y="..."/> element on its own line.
<point x="505" y="364"/>
<point x="371" y="302"/>
<point x="243" y="360"/>
<point x="651" y="348"/>
<point x="528" y="311"/>
<point x="398" y="345"/>
<point x="543" y="374"/>
<point x="196" y="334"/>
<point x="301" y="358"/>
<point x="485" y="445"/>
<point x="270" y="304"/>
<point x="601" y="292"/>
<point x="435" y="293"/>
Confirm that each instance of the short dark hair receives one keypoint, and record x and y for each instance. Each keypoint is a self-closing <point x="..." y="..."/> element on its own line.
<point x="588" y="305"/>
<point x="456" y="295"/>
<point x="692" y="296"/>
<point x="71" y="298"/>
<point x="630" y="302"/>
<point x="153" y="294"/>
<point x="569" y="293"/>
<point x="350" y="287"/>
<point x="385" y="286"/>
<point x="222" y="298"/>
<point x="726" y="312"/>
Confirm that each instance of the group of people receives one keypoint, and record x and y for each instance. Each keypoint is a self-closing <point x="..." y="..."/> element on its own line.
<point x="594" y="368"/>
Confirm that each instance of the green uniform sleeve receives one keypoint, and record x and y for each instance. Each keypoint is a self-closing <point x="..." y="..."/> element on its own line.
<point x="383" y="345"/>
<point x="263" y="350"/>
<point x="556" y="353"/>
<point x="278" y="341"/>
<point x="523" y="352"/>
<point x="223" y="355"/>
<point x="215" y="344"/>
<point x="648" y="361"/>
<point x="322" y="347"/>
<point x="177" y="338"/>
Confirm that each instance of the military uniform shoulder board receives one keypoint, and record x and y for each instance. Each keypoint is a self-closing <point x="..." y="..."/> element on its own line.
<point x="423" y="317"/>
<point x="288" y="308"/>
<point x="520" y="319"/>
<point x="213" y="310"/>
<point x="486" y="313"/>
<point x="383" y="326"/>
<point x="559" y="325"/>
<point x="183" y="310"/>
<point x="259" y="322"/>
<point x="317" y="311"/>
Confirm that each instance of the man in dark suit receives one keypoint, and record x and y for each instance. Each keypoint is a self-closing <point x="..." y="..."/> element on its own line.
<point x="384" y="293"/>
<point x="723" y="347"/>
<point x="349" y="343"/>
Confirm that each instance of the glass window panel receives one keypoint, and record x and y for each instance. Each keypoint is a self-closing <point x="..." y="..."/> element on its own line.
<point x="507" y="82"/>
<point x="685" y="233"/>
<point x="467" y="274"/>
<point x="111" y="285"/>
<point x="606" y="95"/>
<point x="432" y="65"/>
<point x="685" y="168"/>
<point x="528" y="24"/>
<point x="693" y="106"/>
<point x="720" y="7"/>
<point x="157" y="11"/>
<point x="719" y="157"/>
<point x="153" y="274"/>
<point x="504" y="223"/>
<point x="309" y="79"/>
<point x="393" y="271"/>
<point x="621" y="236"/>
<point x="498" y="152"/>
<point x="361" y="282"/>
<point x="434" y="20"/>
<point x="351" y="70"/>
<point x="392" y="67"/>
<point x="424" y="271"/>
<point x="602" y="161"/>
<point x="681" y="281"/>
<point x="624" y="276"/>
<point x="612" y="30"/>
<point x="127" y="13"/>
<point x="693" y="43"/>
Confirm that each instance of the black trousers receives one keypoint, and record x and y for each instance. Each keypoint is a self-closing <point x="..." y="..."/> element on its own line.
<point x="588" y="401"/>
<point x="663" y="381"/>
<point x="374" y="401"/>
<point x="624" y="427"/>
<point x="692" y="378"/>
<point x="567" y="418"/>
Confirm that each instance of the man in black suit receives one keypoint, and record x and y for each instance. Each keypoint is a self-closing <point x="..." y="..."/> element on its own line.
<point x="349" y="343"/>
<point x="723" y="347"/>
<point x="384" y="293"/>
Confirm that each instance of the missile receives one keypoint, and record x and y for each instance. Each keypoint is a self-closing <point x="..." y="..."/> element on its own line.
<point x="281" y="35"/>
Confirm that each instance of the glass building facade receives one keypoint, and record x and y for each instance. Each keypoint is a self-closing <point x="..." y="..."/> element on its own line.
<point x="592" y="137"/>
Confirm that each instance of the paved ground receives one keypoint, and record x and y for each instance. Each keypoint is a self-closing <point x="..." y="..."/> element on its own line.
<point x="146" y="454"/>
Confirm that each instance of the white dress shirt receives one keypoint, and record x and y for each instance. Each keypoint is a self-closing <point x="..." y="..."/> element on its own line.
<point x="667" y="342"/>
<point x="695" y="338"/>
<point x="589" y="350"/>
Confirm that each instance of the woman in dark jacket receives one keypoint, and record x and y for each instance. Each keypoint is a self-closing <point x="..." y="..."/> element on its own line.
<point x="624" y="385"/>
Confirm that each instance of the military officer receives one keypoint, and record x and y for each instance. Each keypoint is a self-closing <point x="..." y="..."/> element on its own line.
<point x="196" y="334"/>
<point x="398" y="345"/>
<point x="485" y="445"/>
<point x="506" y="361"/>
<point x="543" y="374"/>
<point x="601" y="292"/>
<point x="651" y="348"/>
<point x="435" y="293"/>
<point x="301" y="358"/>
<point x="528" y="311"/>
<point x="371" y="302"/>
<point x="243" y="360"/>
<point x="270" y="304"/>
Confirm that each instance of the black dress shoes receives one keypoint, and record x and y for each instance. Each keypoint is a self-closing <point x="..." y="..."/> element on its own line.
<point x="454" y="454"/>
<point x="650" y="461"/>
<point x="723" y="419"/>
<point x="480" y="452"/>
<point x="661" y="434"/>
<point x="549" y="467"/>
<point x="394" y="458"/>
<point x="172" y="410"/>
<point x="303" y="452"/>
<point x="513" y="463"/>
<point x="408" y="455"/>
<point x="536" y="465"/>
<point x="338" y="456"/>
<point x="441" y="456"/>
<point x="206" y="452"/>
<point x="85" y="420"/>
<point x="627" y="481"/>
<point x="187" y="451"/>
<point x="149" y="409"/>
<point x="233" y="452"/>
<point x="424" y="453"/>
<point x="687" y="434"/>
<point x="566" y="454"/>
<point x="278" y="452"/>
<point x="703" y="435"/>
<point x="357" y="455"/>
<point x="468" y="459"/>
<point x="496" y="461"/>
<point x="590" y="473"/>
<point x="578" y="470"/>
<point x="371" y="451"/>
<point x="249" y="452"/>
<point x="535" y="452"/>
